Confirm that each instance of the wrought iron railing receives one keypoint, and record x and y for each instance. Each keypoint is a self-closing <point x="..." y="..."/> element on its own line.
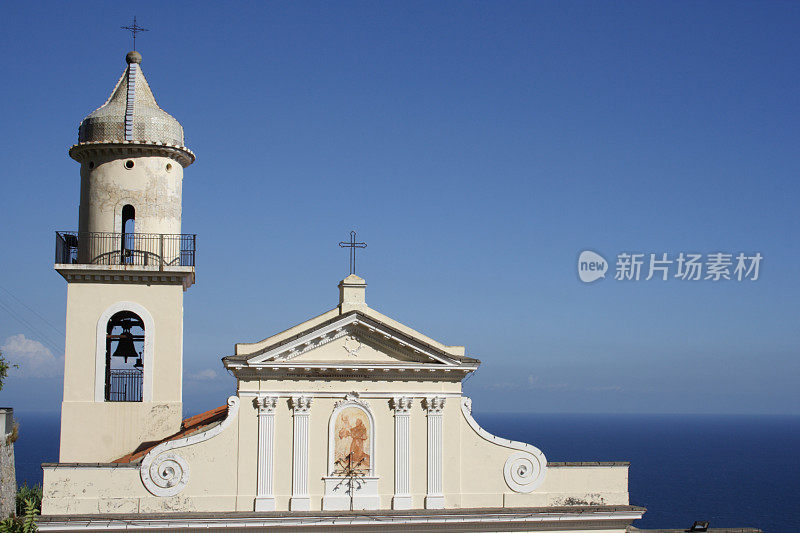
<point x="124" y="385"/>
<point x="141" y="249"/>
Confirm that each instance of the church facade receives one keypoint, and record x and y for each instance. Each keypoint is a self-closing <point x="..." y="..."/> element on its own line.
<point x="348" y="421"/>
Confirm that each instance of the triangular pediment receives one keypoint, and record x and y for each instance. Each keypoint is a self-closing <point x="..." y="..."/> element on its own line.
<point x="352" y="341"/>
<point x="353" y="338"/>
<point x="353" y="345"/>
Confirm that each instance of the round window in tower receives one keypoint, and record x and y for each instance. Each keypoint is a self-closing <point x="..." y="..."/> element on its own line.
<point x="129" y="164"/>
<point x="169" y="167"/>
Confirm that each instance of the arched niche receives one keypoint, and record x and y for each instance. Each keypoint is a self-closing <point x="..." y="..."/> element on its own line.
<point x="351" y="439"/>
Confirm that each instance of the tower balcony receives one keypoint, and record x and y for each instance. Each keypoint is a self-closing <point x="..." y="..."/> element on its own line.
<point x="126" y="257"/>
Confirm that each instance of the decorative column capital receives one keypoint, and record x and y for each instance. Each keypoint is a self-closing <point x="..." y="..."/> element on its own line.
<point x="266" y="404"/>
<point x="300" y="404"/>
<point x="401" y="404"/>
<point x="433" y="405"/>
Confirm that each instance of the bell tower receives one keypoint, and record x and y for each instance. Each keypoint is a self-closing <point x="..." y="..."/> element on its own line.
<point x="126" y="268"/>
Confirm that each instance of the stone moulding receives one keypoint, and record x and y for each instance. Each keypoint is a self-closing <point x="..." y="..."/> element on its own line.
<point x="155" y="274"/>
<point x="351" y="398"/>
<point x="165" y="473"/>
<point x="82" y="151"/>
<point x="288" y="350"/>
<point x="494" y="519"/>
<point x="525" y="469"/>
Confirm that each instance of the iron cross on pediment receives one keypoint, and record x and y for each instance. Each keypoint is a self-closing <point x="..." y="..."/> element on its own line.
<point x="352" y="245"/>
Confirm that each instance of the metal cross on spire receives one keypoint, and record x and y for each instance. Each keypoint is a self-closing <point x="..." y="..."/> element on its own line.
<point x="352" y="245"/>
<point x="134" y="29"/>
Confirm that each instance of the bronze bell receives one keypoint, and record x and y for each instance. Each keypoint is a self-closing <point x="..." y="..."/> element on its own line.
<point x="138" y="364"/>
<point x="125" y="347"/>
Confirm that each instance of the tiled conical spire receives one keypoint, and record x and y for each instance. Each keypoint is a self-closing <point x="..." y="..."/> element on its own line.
<point x="131" y="114"/>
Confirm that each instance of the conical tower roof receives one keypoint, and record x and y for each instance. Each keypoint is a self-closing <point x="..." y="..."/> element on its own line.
<point x="131" y="115"/>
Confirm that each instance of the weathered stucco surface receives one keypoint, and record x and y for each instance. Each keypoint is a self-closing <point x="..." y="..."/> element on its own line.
<point x="222" y="469"/>
<point x="153" y="191"/>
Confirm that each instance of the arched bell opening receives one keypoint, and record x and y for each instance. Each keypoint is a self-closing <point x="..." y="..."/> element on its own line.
<point x="128" y="230"/>
<point x="124" y="357"/>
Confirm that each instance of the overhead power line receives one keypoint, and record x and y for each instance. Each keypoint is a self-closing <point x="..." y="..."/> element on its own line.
<point x="36" y="331"/>
<point x="43" y="319"/>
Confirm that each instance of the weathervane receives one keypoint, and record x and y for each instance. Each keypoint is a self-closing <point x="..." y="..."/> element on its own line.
<point x="352" y="245"/>
<point x="134" y="29"/>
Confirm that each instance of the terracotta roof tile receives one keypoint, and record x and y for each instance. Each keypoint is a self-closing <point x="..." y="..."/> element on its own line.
<point x="189" y="426"/>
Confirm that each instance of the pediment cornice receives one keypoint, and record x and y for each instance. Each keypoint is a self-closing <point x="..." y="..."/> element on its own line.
<point x="414" y="356"/>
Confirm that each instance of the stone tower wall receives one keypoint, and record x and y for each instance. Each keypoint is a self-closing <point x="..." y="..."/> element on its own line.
<point x="8" y="476"/>
<point x="152" y="185"/>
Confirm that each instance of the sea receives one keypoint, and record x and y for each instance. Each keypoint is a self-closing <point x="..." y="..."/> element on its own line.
<point x="730" y="470"/>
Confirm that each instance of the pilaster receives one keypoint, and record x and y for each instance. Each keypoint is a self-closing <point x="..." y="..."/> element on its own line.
<point x="300" y="501"/>
<point x="265" y="496"/>
<point x="434" y="499"/>
<point x="402" y="452"/>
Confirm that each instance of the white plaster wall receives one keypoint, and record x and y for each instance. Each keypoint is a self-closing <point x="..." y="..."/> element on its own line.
<point x="247" y="467"/>
<point x="483" y="483"/>
<point x="321" y="409"/>
<point x="223" y="469"/>
<point x="212" y="485"/>
<point x="212" y="481"/>
<point x="453" y="463"/>
<point x="578" y="485"/>
<point x="102" y="431"/>
<point x="76" y="490"/>
<point x="366" y="353"/>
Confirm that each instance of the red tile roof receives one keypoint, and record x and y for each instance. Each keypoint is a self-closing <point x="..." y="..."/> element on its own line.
<point x="193" y="424"/>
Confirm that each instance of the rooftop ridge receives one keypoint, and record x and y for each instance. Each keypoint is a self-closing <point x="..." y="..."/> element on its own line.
<point x="131" y="99"/>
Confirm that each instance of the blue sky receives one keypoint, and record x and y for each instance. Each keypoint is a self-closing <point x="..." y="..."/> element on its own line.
<point x="478" y="147"/>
